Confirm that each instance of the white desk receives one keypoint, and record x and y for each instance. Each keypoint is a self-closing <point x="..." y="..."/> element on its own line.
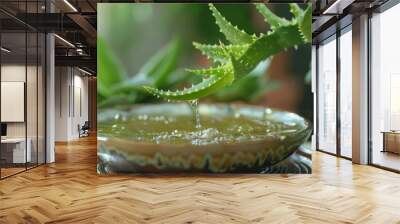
<point x="19" y="155"/>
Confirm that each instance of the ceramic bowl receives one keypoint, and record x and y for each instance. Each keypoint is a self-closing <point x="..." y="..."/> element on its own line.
<point x="122" y="154"/>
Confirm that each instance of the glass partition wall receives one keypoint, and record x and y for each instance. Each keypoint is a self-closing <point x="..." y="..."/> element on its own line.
<point x="334" y="94"/>
<point x="385" y="89"/>
<point x="326" y="60"/>
<point x="345" y="92"/>
<point x="334" y="105"/>
<point x="13" y="111"/>
<point x="22" y="98"/>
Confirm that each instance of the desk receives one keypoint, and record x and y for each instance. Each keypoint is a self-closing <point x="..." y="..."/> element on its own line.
<point x="17" y="151"/>
<point x="391" y="141"/>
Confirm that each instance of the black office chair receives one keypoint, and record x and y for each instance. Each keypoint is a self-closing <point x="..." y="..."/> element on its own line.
<point x="84" y="130"/>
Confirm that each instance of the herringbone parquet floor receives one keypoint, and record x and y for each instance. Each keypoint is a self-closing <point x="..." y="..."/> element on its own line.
<point x="70" y="191"/>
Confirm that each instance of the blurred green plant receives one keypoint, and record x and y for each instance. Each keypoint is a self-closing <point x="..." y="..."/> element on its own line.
<point x="244" y="53"/>
<point x="116" y="88"/>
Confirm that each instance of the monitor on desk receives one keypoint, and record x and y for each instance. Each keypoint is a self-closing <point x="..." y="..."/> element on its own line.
<point x="3" y="129"/>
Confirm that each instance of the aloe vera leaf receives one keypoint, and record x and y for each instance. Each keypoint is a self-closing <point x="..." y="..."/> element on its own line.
<point x="270" y="17"/>
<point x="212" y="71"/>
<point x="296" y="10"/>
<point x="254" y="84"/>
<point x="282" y="38"/>
<point x="305" y="23"/>
<point x="218" y="53"/>
<point x="110" y="72"/>
<point x="232" y="33"/>
<point x="214" y="52"/>
<point x="254" y="87"/>
<point x="204" y="88"/>
<point x="242" y="63"/>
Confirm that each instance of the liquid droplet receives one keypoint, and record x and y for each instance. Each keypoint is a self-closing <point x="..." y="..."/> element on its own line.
<point x="194" y="106"/>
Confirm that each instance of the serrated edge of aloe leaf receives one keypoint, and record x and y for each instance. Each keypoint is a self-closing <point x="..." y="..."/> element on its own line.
<point x="218" y="52"/>
<point x="212" y="52"/>
<point x="204" y="88"/>
<point x="295" y="10"/>
<point x="232" y="33"/>
<point x="211" y="71"/>
<point x="305" y="24"/>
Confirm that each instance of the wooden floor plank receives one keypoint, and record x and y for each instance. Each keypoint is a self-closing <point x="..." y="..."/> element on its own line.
<point x="70" y="191"/>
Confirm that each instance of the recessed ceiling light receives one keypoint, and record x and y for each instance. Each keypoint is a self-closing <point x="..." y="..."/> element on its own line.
<point x="5" y="50"/>
<point x="64" y="40"/>
<point x="84" y="71"/>
<point x="70" y="5"/>
<point x="337" y="7"/>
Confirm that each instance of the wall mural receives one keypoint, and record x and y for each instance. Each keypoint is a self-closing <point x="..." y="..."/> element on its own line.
<point x="187" y="88"/>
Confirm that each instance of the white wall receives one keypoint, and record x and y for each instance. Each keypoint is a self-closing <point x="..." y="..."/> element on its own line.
<point x="71" y="94"/>
<point x="80" y="100"/>
<point x="13" y="101"/>
<point x="62" y="81"/>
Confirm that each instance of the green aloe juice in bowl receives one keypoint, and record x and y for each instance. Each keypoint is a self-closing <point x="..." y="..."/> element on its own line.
<point x="165" y="138"/>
